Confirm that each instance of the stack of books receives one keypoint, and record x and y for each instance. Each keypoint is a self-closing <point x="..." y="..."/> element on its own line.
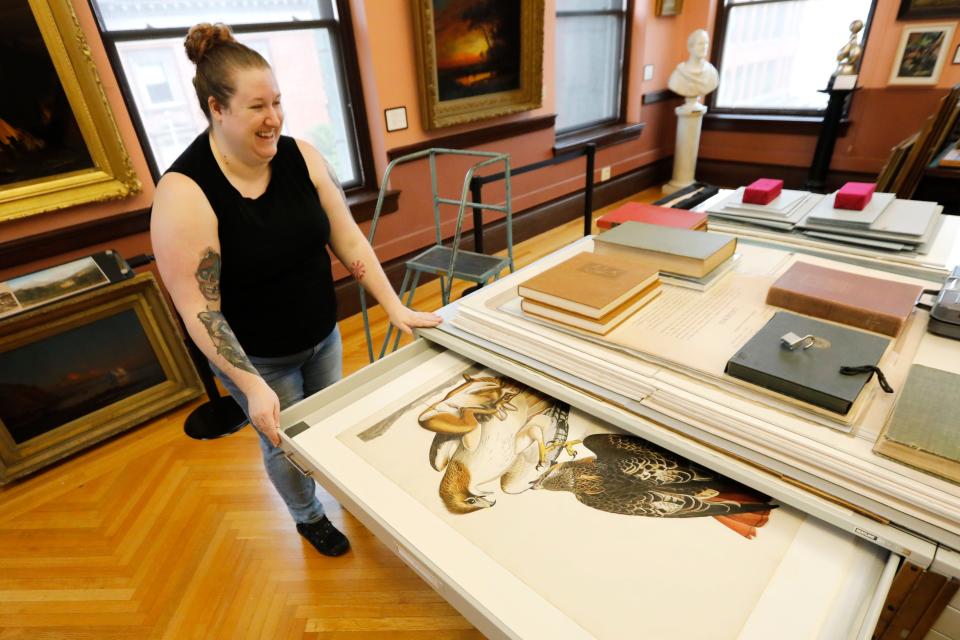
<point x="590" y="292"/>
<point x="686" y="258"/>
<point x="782" y="213"/>
<point x="885" y="223"/>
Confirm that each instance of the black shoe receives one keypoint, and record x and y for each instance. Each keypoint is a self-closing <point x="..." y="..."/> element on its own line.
<point x="324" y="537"/>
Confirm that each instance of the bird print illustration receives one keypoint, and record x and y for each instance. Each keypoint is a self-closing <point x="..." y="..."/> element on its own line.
<point x="489" y="430"/>
<point x="631" y="476"/>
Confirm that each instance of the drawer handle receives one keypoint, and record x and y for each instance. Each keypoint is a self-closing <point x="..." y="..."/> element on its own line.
<point x="297" y="465"/>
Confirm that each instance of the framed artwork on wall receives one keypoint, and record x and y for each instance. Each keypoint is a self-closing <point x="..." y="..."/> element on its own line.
<point x="81" y="369"/>
<point x="921" y="53"/>
<point x="669" y="7"/>
<point x="923" y="9"/>
<point x="59" y="143"/>
<point x="478" y="60"/>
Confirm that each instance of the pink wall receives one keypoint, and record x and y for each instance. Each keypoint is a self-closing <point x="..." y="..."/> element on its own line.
<point x="384" y="32"/>
<point x="881" y="114"/>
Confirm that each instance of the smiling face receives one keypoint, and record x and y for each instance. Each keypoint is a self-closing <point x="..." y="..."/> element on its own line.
<point x="251" y="121"/>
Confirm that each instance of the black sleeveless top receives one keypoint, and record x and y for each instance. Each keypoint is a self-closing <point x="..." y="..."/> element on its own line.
<point x="276" y="285"/>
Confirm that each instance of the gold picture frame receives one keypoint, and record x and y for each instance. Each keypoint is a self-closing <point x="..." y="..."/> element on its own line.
<point x="87" y="367"/>
<point x="107" y="172"/>
<point x="480" y="66"/>
<point x="669" y="7"/>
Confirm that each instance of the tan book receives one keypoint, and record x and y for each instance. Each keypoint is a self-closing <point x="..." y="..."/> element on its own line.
<point x="601" y="325"/>
<point x="670" y="250"/>
<point x="875" y="304"/>
<point x="924" y="429"/>
<point x="589" y="284"/>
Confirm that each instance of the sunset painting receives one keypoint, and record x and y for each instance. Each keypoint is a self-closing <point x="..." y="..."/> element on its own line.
<point x="67" y="375"/>
<point x="478" y="47"/>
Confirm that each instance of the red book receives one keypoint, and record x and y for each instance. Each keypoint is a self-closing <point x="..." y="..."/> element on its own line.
<point x="854" y="195"/>
<point x="762" y="191"/>
<point x="652" y="214"/>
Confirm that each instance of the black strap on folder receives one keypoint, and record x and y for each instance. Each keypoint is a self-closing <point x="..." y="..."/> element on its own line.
<point x="868" y="368"/>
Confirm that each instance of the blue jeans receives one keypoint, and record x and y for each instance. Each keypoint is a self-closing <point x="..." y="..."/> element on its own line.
<point x="293" y="378"/>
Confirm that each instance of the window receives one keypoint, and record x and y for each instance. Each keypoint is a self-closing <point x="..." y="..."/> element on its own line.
<point x="590" y="55"/>
<point x="303" y="40"/>
<point x="777" y="54"/>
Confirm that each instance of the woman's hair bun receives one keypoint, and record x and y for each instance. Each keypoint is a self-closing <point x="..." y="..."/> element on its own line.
<point x="204" y="37"/>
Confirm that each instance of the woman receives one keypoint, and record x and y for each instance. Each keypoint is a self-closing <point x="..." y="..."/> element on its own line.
<point x="264" y="315"/>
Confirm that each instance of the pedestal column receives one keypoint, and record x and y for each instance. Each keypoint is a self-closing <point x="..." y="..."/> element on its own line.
<point x="689" y="122"/>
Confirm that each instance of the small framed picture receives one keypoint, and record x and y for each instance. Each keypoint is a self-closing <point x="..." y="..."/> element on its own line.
<point x="921" y="53"/>
<point x="669" y="7"/>
<point x="396" y="118"/>
<point x="956" y="55"/>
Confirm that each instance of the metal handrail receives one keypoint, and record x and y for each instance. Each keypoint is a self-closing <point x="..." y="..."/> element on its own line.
<point x="476" y="188"/>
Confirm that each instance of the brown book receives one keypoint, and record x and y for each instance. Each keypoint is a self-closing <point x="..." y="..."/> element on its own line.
<point x="589" y="284"/>
<point x="874" y="304"/>
<point x="602" y="325"/>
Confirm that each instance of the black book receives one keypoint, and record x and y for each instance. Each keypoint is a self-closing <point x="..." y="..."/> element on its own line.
<point x="809" y="374"/>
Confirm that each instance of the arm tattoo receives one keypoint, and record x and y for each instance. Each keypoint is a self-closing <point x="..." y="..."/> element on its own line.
<point x="358" y="270"/>
<point x="222" y="336"/>
<point x="333" y="177"/>
<point x="208" y="274"/>
<point x="225" y="341"/>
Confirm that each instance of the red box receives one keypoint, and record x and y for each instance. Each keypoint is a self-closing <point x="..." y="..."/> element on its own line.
<point x="652" y="214"/>
<point x="762" y="191"/>
<point x="854" y="195"/>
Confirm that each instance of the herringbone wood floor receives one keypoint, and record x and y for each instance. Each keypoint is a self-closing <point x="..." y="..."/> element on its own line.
<point x="154" y="535"/>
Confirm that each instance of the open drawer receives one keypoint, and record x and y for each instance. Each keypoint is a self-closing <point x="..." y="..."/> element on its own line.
<point x="627" y="539"/>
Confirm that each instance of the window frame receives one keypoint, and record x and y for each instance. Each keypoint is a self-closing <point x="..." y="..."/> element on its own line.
<point x="750" y="116"/>
<point x="602" y="131"/>
<point x="340" y="28"/>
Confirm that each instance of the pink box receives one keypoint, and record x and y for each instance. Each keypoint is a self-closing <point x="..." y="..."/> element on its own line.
<point x="854" y="195"/>
<point x="762" y="191"/>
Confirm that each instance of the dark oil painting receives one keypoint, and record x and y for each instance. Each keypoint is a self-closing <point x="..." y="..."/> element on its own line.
<point x="478" y="47"/>
<point x="53" y="381"/>
<point x="39" y="135"/>
<point x="920" y="54"/>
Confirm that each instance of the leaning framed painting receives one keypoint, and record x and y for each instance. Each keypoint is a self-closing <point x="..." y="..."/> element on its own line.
<point x="921" y="53"/>
<point x="923" y="9"/>
<point x="478" y="60"/>
<point x="59" y="143"/>
<point x="81" y="369"/>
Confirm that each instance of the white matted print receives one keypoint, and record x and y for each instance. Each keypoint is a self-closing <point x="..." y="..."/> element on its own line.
<point x="622" y="525"/>
<point x="921" y="54"/>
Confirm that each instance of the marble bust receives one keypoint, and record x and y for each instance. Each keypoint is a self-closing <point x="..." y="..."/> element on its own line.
<point x="695" y="76"/>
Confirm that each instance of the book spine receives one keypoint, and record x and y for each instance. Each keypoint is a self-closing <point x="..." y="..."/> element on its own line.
<point x="834" y="311"/>
<point x="788" y="388"/>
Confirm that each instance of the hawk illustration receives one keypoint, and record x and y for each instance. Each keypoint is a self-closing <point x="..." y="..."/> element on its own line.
<point x="492" y="430"/>
<point x="631" y="476"/>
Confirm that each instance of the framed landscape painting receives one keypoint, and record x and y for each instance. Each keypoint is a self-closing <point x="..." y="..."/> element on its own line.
<point x="921" y="54"/>
<point x="478" y="59"/>
<point x="59" y="143"/>
<point x="83" y="368"/>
